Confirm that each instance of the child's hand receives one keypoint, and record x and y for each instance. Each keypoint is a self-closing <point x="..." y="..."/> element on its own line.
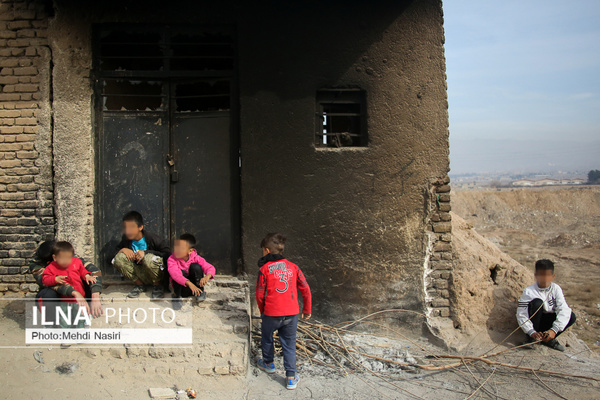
<point x="81" y="301"/>
<point x="195" y="289"/>
<point x="90" y="279"/>
<point x="205" y="280"/>
<point x="305" y="317"/>
<point x="537" y="335"/>
<point x="60" y="279"/>
<point x="139" y="256"/>
<point x="548" y="335"/>
<point x="128" y="253"/>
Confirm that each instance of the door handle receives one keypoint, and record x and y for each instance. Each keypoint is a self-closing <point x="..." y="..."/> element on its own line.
<point x="174" y="177"/>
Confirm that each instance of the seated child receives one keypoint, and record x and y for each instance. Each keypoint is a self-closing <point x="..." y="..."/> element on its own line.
<point x="542" y="312"/>
<point x="68" y="273"/>
<point x="141" y="256"/>
<point x="189" y="272"/>
<point x="277" y="297"/>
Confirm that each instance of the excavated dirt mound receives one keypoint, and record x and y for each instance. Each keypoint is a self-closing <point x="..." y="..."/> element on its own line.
<point x="487" y="282"/>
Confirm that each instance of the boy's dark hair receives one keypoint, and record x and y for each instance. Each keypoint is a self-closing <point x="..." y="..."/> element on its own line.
<point x="543" y="265"/>
<point x="62" y="246"/>
<point x="45" y="250"/>
<point x="275" y="242"/>
<point x="135" y="217"/>
<point x="188" y="237"/>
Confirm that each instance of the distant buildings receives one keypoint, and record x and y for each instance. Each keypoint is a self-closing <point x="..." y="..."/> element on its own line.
<point x="547" y="182"/>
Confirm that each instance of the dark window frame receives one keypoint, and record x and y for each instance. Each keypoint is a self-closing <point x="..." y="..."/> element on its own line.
<point x="339" y="108"/>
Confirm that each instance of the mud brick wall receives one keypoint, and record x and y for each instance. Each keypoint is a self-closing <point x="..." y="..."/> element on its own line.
<point x="438" y="268"/>
<point x="26" y="211"/>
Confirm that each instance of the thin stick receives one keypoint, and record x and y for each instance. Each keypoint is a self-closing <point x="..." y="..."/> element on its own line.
<point x="477" y="380"/>
<point x="548" y="387"/>
<point x="490" y="362"/>
<point x="482" y="383"/>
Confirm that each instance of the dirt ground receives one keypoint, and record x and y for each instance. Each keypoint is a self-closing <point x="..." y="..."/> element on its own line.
<point x="103" y="374"/>
<point x="562" y="224"/>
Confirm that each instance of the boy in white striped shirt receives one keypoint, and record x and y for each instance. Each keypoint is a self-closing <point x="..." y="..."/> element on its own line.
<point x="543" y="313"/>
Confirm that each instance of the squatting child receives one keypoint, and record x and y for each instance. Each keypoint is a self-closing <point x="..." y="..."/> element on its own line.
<point x="188" y="271"/>
<point x="141" y="256"/>
<point x="542" y="312"/>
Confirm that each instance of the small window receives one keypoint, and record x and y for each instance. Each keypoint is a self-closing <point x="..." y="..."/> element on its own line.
<point x="341" y="120"/>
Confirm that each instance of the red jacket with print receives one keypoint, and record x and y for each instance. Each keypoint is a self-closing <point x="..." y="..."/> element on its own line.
<point x="277" y="287"/>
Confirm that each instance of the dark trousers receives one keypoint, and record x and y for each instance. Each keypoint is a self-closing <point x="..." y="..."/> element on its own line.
<point x="194" y="275"/>
<point x="541" y="321"/>
<point x="286" y="328"/>
<point x="49" y="299"/>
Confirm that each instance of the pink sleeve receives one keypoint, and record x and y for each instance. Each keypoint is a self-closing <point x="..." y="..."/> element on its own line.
<point x="175" y="271"/>
<point x="207" y="267"/>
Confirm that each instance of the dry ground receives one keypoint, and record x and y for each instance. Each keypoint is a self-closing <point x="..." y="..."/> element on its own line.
<point x="562" y="224"/>
<point x="104" y="375"/>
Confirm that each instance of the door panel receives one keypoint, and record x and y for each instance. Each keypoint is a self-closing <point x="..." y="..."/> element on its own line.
<point x="134" y="176"/>
<point x="202" y="199"/>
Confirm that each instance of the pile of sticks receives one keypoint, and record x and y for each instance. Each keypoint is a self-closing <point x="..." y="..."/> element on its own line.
<point x="325" y="345"/>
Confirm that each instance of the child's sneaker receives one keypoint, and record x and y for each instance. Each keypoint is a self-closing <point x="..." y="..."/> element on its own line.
<point x="177" y="303"/>
<point x="201" y="297"/>
<point x="268" y="368"/>
<point x="292" y="382"/>
<point x="136" y="291"/>
<point x="529" y="342"/>
<point x="158" y="291"/>
<point x="553" y="344"/>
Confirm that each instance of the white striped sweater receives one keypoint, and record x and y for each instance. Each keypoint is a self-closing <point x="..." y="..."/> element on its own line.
<point x="554" y="302"/>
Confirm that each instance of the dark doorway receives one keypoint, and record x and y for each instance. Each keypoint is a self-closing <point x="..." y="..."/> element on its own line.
<point x="167" y="138"/>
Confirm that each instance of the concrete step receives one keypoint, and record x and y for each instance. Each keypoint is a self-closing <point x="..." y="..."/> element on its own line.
<point x="220" y="326"/>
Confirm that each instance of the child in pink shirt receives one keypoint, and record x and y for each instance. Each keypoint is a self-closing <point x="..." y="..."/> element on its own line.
<point x="189" y="272"/>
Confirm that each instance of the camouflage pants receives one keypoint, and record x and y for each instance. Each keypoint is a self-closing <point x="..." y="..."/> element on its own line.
<point x="149" y="270"/>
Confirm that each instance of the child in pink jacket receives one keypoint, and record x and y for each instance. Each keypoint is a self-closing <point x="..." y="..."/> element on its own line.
<point x="189" y="272"/>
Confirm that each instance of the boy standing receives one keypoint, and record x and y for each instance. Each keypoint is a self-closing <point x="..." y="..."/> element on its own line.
<point x="542" y="312"/>
<point x="277" y="297"/>
<point x="188" y="271"/>
<point x="141" y="256"/>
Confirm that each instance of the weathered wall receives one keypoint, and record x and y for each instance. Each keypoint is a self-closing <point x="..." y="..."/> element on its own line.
<point x="26" y="214"/>
<point x="365" y="224"/>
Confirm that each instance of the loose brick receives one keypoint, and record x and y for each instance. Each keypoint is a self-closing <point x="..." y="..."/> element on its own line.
<point x="440" y="227"/>
<point x="439" y="189"/>
<point x="441" y="246"/>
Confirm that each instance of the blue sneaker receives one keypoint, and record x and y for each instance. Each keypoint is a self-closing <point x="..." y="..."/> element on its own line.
<point x="268" y="368"/>
<point x="292" y="382"/>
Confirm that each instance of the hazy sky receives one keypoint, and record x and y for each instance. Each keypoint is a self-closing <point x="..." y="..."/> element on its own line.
<point x="523" y="84"/>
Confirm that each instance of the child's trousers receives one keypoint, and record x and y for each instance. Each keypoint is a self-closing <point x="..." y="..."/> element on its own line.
<point x="149" y="270"/>
<point x="286" y="328"/>
<point x="194" y="275"/>
<point x="543" y="321"/>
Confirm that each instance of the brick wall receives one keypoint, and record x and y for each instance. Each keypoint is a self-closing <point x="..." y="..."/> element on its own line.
<point x="26" y="211"/>
<point x="438" y="270"/>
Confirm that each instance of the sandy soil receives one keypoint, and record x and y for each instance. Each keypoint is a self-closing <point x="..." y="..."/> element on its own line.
<point x="101" y="375"/>
<point x="562" y="224"/>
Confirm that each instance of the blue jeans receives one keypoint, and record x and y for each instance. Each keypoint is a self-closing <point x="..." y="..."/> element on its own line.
<point x="286" y="328"/>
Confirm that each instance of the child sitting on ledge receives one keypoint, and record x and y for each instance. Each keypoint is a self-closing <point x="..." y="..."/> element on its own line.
<point x="189" y="272"/>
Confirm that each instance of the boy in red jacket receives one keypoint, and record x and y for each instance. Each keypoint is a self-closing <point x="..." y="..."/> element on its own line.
<point x="277" y="297"/>
<point x="67" y="271"/>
